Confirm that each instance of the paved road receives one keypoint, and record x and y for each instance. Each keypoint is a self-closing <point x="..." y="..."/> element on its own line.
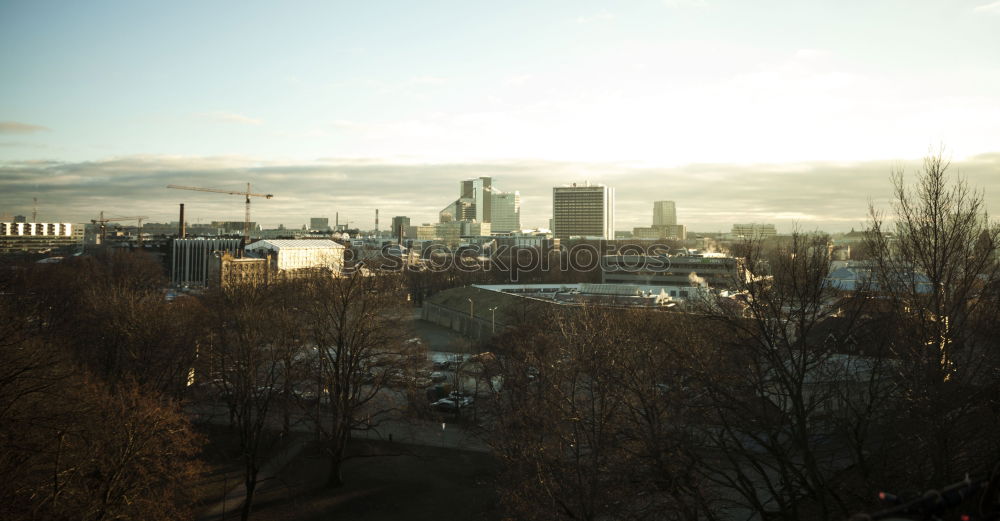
<point x="440" y="432"/>
<point x="439" y="338"/>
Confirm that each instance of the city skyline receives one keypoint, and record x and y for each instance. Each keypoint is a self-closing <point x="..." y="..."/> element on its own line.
<point x="793" y="114"/>
<point x="77" y="192"/>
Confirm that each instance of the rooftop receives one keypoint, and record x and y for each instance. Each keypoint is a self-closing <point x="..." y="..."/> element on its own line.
<point x="295" y="244"/>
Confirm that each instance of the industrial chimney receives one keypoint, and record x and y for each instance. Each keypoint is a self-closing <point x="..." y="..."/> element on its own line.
<point x="183" y="229"/>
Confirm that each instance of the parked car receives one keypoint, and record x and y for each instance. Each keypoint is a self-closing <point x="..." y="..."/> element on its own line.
<point x="451" y="404"/>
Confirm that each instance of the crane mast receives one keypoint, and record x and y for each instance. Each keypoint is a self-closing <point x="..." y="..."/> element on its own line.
<point x="247" y="194"/>
<point x="103" y="222"/>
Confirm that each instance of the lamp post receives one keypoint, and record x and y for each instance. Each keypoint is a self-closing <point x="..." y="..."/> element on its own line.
<point x="470" y="307"/>
<point x="493" y="319"/>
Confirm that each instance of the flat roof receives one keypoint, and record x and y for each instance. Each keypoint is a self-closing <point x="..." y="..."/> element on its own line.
<point x="296" y="244"/>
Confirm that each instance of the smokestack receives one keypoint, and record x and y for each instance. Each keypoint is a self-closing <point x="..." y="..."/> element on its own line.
<point x="336" y="221"/>
<point x="376" y="222"/>
<point x="183" y="229"/>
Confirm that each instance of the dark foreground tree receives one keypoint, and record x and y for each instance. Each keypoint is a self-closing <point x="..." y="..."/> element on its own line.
<point x="244" y="360"/>
<point x="935" y="262"/>
<point x="356" y="327"/>
<point x="792" y="401"/>
<point x="73" y="445"/>
<point x="588" y="417"/>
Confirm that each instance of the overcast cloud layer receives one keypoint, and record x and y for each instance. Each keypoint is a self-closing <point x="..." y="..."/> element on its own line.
<point x="784" y="113"/>
<point x="813" y="195"/>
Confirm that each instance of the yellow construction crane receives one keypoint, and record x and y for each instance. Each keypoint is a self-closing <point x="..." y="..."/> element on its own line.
<point x="248" y="194"/>
<point x="103" y="221"/>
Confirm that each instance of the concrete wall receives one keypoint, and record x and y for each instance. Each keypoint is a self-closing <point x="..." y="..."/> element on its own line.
<point x="474" y="328"/>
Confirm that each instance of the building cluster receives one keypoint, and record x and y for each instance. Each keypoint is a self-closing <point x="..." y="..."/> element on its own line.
<point x="206" y="262"/>
<point x="481" y="210"/>
<point x="664" y="223"/>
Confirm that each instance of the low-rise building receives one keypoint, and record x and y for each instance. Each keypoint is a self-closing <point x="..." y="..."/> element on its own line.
<point x="226" y="271"/>
<point x="39" y="237"/>
<point x="661" y="270"/>
<point x="291" y="254"/>
<point x="753" y="231"/>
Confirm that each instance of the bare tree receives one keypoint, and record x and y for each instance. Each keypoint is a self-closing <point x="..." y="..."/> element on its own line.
<point x="589" y="417"/>
<point x="790" y="410"/>
<point x="934" y="260"/>
<point x="246" y="367"/>
<point x="356" y="326"/>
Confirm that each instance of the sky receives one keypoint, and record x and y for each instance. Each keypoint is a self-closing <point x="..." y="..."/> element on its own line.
<point x="791" y="112"/>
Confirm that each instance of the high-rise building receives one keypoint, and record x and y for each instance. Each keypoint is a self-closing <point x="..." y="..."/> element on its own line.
<point x="482" y="192"/>
<point x="583" y="211"/>
<point x="466" y="189"/>
<point x="664" y="213"/>
<point x="463" y="209"/>
<point x="506" y="211"/>
<point x="400" y="226"/>
<point x="319" y="223"/>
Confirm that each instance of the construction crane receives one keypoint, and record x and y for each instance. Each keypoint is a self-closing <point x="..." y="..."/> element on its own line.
<point x="103" y="221"/>
<point x="248" y="194"/>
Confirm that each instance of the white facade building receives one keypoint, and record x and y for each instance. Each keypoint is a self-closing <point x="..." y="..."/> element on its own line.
<point x="302" y="254"/>
<point x="31" y="236"/>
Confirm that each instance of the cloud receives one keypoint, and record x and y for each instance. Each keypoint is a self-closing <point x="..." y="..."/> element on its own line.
<point x="14" y="127"/>
<point x="832" y="196"/>
<point x="229" y="117"/>
<point x="992" y="8"/>
<point x="20" y="144"/>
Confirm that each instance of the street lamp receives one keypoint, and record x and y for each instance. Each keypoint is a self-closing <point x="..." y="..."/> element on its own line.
<point x="470" y="307"/>
<point x="493" y="319"/>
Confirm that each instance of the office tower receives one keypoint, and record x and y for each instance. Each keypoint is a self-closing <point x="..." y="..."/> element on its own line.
<point x="465" y="189"/>
<point x="474" y="202"/>
<point x="319" y="223"/>
<point x="400" y="225"/>
<point x="664" y="213"/>
<point x="583" y="211"/>
<point x="482" y="192"/>
<point x="506" y="211"/>
<point x="460" y="210"/>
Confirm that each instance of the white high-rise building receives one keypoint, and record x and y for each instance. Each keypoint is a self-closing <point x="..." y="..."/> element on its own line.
<point x="664" y="213"/>
<point x="506" y="211"/>
<point x="583" y="211"/>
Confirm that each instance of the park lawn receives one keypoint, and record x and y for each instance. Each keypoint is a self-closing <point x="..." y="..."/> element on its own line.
<point x="412" y="482"/>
